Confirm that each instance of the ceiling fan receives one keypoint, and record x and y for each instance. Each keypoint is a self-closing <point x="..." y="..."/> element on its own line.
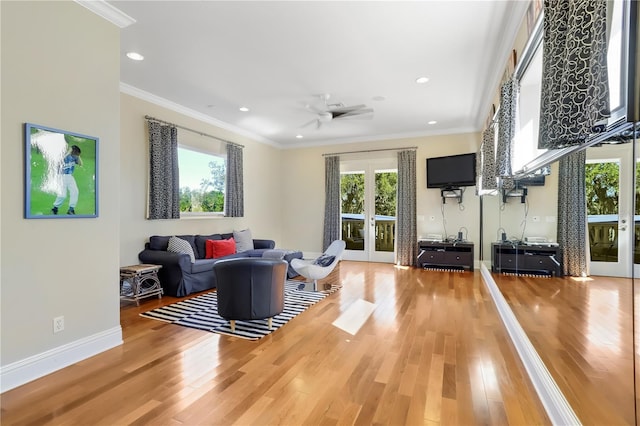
<point x="336" y="111"/>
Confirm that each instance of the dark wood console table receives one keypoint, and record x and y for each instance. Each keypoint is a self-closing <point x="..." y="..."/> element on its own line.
<point x="445" y="255"/>
<point x="523" y="259"/>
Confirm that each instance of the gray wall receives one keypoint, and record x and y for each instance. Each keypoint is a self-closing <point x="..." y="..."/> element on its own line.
<point x="60" y="68"/>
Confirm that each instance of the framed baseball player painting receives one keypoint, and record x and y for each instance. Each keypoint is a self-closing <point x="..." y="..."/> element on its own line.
<point x="61" y="174"/>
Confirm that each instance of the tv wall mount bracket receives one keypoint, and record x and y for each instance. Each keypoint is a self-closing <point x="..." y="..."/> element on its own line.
<point x="451" y="193"/>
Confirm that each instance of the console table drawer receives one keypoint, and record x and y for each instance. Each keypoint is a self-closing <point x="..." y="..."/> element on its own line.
<point x="526" y="259"/>
<point x="445" y="255"/>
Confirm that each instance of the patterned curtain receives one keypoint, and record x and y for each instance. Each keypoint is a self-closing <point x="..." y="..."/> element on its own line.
<point x="507" y="114"/>
<point x="572" y="214"/>
<point x="331" y="200"/>
<point x="575" y="90"/>
<point x="234" y="201"/>
<point x="164" y="198"/>
<point x="406" y="227"/>
<point x="488" y="159"/>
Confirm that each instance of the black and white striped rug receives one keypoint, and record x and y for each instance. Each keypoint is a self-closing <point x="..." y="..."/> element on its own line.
<point x="201" y="312"/>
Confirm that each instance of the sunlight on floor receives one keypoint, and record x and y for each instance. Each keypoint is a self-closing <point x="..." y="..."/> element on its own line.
<point x="352" y="319"/>
<point x="581" y="279"/>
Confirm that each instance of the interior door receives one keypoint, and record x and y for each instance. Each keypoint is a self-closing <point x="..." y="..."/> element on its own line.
<point x="368" y="191"/>
<point x="609" y="180"/>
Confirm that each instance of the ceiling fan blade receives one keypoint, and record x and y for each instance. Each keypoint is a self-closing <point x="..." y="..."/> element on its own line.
<point x="352" y="114"/>
<point x="313" y="109"/>
<point x="315" y="120"/>
<point x="348" y="108"/>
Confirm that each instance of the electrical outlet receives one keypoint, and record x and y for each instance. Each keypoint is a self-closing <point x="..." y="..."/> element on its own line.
<point x="58" y="324"/>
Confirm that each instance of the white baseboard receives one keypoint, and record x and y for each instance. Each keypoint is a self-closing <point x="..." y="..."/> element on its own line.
<point x="554" y="402"/>
<point x="36" y="366"/>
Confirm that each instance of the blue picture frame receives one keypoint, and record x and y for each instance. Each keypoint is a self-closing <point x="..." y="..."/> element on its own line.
<point x="61" y="174"/>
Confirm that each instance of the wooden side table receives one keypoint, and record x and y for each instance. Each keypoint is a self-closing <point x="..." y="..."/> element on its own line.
<point x="139" y="281"/>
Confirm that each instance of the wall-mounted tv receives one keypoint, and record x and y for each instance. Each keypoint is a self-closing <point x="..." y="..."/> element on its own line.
<point x="533" y="180"/>
<point x="452" y="171"/>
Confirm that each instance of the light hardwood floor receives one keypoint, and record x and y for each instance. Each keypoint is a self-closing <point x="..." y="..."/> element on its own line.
<point x="433" y="351"/>
<point x="583" y="332"/>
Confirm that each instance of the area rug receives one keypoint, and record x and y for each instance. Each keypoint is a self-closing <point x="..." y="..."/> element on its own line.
<point x="201" y="312"/>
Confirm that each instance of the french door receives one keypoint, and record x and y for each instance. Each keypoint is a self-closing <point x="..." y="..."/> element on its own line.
<point x="609" y="183"/>
<point x="368" y="215"/>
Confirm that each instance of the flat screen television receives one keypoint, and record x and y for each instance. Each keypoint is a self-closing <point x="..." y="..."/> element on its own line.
<point x="534" y="180"/>
<point x="452" y="171"/>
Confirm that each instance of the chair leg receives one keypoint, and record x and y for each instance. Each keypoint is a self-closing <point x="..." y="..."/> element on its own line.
<point x="233" y="326"/>
<point x="270" y="322"/>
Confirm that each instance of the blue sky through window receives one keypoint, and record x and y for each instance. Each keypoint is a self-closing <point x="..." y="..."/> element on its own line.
<point x="194" y="166"/>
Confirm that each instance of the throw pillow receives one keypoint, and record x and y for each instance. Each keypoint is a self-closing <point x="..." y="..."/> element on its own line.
<point x="244" y="240"/>
<point x="178" y="245"/>
<point x="220" y="248"/>
<point x="324" y="260"/>
<point x="208" y="249"/>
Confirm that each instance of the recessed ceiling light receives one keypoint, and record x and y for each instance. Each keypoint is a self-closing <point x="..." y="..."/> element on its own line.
<point x="432" y="122"/>
<point x="135" y="56"/>
<point x="378" y="98"/>
<point x="422" y="80"/>
<point x="299" y="136"/>
<point x="244" y="109"/>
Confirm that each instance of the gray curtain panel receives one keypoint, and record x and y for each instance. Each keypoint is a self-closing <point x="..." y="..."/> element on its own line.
<point x="331" y="200"/>
<point x="488" y="159"/>
<point x="406" y="227"/>
<point x="164" y="191"/>
<point x="575" y="89"/>
<point x="572" y="214"/>
<point x="506" y="126"/>
<point x="234" y="197"/>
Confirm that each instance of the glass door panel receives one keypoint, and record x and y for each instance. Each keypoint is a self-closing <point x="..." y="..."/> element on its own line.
<point x="352" y="217"/>
<point x="608" y="185"/>
<point x="384" y="222"/>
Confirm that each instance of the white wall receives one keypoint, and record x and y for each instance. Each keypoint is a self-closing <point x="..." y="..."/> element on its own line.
<point x="60" y="68"/>
<point x="303" y="184"/>
<point x="262" y="181"/>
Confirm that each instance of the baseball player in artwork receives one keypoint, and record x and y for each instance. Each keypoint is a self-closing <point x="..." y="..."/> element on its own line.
<point x="68" y="181"/>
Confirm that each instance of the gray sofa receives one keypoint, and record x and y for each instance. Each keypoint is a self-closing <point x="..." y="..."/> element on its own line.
<point x="178" y="276"/>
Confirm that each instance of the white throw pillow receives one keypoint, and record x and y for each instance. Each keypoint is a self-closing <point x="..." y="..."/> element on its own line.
<point x="178" y="245"/>
<point x="244" y="240"/>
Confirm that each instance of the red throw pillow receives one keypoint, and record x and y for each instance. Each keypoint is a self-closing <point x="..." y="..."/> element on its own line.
<point x="208" y="249"/>
<point x="219" y="248"/>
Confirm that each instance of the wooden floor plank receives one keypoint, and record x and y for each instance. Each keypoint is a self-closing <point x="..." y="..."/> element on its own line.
<point x="582" y="331"/>
<point x="427" y="354"/>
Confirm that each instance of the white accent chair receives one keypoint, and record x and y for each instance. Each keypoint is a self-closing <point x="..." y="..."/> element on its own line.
<point x="313" y="272"/>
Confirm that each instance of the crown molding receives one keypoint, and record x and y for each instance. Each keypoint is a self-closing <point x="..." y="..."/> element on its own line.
<point x="170" y="105"/>
<point x="108" y="12"/>
<point x="513" y="20"/>
<point x="387" y="137"/>
<point x="165" y="103"/>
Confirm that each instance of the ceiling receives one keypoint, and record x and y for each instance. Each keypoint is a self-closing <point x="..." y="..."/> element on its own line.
<point x="279" y="58"/>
